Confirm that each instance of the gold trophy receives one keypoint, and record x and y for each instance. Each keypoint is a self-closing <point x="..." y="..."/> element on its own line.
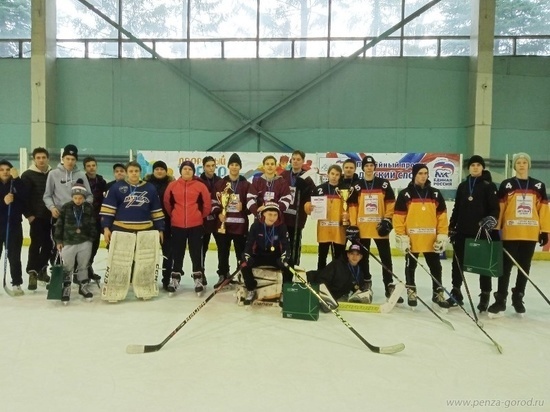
<point x="224" y="198"/>
<point x="344" y="195"/>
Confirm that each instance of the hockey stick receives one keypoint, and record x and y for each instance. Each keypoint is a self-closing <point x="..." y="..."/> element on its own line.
<point x="446" y="322"/>
<point x="514" y="261"/>
<point x="8" y="290"/>
<point x="455" y="257"/>
<point x="296" y="246"/>
<point x="377" y="349"/>
<point x="478" y="324"/>
<point x="134" y="349"/>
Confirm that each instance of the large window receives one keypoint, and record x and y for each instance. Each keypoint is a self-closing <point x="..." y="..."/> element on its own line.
<point x="274" y="28"/>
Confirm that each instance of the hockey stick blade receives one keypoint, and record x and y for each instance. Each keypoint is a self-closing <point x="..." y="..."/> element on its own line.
<point x="137" y="349"/>
<point x="376" y="349"/>
<point x="499" y="348"/>
<point x="446" y="322"/>
<point x="9" y="291"/>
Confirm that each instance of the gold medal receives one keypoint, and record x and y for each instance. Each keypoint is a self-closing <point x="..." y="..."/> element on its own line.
<point x="272" y="248"/>
<point x="77" y="230"/>
<point x="470" y="198"/>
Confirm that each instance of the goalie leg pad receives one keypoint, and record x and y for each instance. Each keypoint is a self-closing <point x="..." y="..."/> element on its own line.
<point x="147" y="264"/>
<point x="119" y="266"/>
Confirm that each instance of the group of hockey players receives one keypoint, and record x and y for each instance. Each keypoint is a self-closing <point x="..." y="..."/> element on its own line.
<point x="73" y="208"/>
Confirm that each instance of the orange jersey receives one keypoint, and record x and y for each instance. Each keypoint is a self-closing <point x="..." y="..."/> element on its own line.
<point x="420" y="214"/>
<point x="524" y="209"/>
<point x="375" y="202"/>
<point x="329" y="229"/>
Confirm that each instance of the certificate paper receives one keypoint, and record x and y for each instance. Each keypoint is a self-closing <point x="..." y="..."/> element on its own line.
<point x="319" y="204"/>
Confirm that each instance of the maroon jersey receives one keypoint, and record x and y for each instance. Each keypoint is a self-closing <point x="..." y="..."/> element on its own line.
<point x="300" y="190"/>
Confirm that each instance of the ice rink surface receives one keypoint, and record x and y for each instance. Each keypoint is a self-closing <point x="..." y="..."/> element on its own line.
<point x="233" y="358"/>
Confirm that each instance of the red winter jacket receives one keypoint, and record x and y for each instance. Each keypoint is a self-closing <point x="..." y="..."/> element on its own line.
<point x="187" y="202"/>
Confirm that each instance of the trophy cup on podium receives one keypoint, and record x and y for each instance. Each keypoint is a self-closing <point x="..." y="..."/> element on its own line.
<point x="345" y="195"/>
<point x="225" y="198"/>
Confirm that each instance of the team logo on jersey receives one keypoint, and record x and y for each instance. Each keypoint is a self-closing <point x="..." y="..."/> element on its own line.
<point x="136" y="199"/>
<point x="371" y="207"/>
<point x="524" y="210"/>
<point x="123" y="189"/>
<point x="443" y="173"/>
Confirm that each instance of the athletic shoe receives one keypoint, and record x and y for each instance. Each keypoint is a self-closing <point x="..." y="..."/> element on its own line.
<point x="484" y="298"/>
<point x="17" y="291"/>
<point x="33" y="280"/>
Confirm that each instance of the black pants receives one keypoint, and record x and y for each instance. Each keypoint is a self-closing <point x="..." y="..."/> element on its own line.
<point x="14" y="246"/>
<point x="95" y="247"/>
<point x="41" y="249"/>
<point x="249" y="280"/>
<point x="337" y="251"/>
<point x="205" y="243"/>
<point x="384" y="251"/>
<point x="458" y="261"/>
<point x="223" y="242"/>
<point x="295" y="240"/>
<point x="522" y="251"/>
<point x="434" y="264"/>
<point x="180" y="238"/>
<point x="167" y="255"/>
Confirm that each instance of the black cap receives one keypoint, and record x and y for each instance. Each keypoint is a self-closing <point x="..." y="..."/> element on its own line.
<point x="160" y="163"/>
<point x="354" y="247"/>
<point x="5" y="162"/>
<point x="416" y="168"/>
<point x="367" y="160"/>
<point x="70" y="150"/>
<point x="118" y="165"/>
<point x="234" y="158"/>
<point x="476" y="159"/>
<point x="187" y="163"/>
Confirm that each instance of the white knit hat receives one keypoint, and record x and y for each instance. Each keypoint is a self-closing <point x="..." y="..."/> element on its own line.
<point x="521" y="155"/>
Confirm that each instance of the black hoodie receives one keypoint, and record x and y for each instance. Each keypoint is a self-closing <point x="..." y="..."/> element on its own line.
<point x="484" y="202"/>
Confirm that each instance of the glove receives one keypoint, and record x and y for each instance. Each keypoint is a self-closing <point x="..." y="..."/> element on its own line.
<point x="247" y="260"/>
<point x="283" y="261"/>
<point x="543" y="239"/>
<point x="441" y="243"/>
<point x="384" y="227"/>
<point x="488" y="223"/>
<point x="352" y="233"/>
<point x="403" y="243"/>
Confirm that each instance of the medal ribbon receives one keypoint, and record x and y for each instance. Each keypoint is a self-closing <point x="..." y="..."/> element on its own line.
<point x="78" y="216"/>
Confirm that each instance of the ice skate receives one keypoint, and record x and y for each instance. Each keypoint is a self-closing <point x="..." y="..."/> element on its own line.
<point x="94" y="277"/>
<point x="496" y="310"/>
<point x="517" y="302"/>
<point x="84" y="290"/>
<point x="389" y="290"/>
<point x="33" y="280"/>
<point x="66" y="293"/>
<point x="411" y="296"/>
<point x="174" y="284"/>
<point x="439" y="299"/>
<point x="199" y="287"/>
<point x="250" y="296"/>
